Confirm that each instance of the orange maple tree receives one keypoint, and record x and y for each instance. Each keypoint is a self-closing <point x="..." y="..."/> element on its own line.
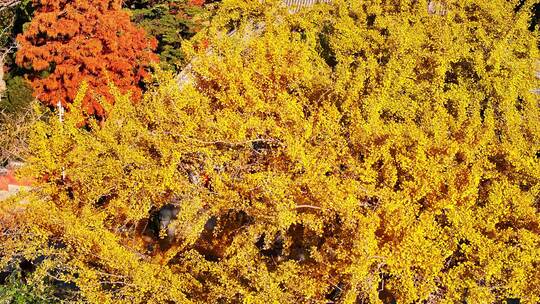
<point x="68" y="42"/>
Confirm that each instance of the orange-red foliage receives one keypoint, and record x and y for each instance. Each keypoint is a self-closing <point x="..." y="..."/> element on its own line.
<point x="93" y="41"/>
<point x="197" y="2"/>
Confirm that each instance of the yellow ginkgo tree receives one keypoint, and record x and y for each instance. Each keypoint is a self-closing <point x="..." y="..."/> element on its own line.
<point x="352" y="152"/>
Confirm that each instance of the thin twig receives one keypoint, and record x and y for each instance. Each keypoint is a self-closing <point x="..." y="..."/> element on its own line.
<point x="228" y="143"/>
<point x="6" y="4"/>
<point x="309" y="206"/>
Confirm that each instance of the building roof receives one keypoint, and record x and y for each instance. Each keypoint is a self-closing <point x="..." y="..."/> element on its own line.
<point x="298" y="4"/>
<point x="301" y="3"/>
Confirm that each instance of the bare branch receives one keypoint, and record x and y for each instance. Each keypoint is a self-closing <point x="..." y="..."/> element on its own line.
<point x="229" y="144"/>
<point x="6" y="4"/>
<point x="4" y="52"/>
<point x="309" y="206"/>
<point x="14" y="132"/>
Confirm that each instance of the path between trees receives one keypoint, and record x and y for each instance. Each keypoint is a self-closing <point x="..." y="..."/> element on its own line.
<point x="9" y="183"/>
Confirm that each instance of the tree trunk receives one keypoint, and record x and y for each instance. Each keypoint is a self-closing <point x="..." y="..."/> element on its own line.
<point x="2" y="82"/>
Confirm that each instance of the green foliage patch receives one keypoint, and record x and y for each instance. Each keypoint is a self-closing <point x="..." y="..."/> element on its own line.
<point x="171" y="22"/>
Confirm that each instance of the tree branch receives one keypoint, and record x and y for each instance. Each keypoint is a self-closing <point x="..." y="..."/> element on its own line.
<point x="6" y="4"/>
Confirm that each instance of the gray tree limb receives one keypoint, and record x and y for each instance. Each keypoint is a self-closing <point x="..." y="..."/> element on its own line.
<point x="6" y="4"/>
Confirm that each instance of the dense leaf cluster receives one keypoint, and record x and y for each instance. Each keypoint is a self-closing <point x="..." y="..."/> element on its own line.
<point x="355" y="152"/>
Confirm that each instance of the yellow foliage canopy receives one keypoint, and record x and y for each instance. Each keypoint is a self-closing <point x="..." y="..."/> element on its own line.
<point x="358" y="152"/>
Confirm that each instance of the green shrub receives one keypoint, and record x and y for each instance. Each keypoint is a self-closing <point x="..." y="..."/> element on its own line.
<point x="17" y="97"/>
<point x="16" y="290"/>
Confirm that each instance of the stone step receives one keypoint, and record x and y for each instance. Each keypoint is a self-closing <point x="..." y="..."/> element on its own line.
<point x="17" y="188"/>
<point x="5" y="194"/>
<point x="12" y="190"/>
<point x="7" y="177"/>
